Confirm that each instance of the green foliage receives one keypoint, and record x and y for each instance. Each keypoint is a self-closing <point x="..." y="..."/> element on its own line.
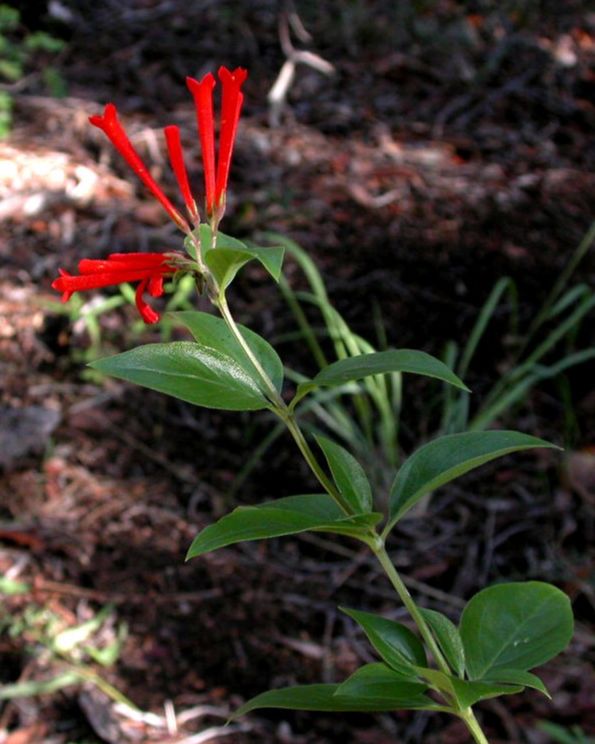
<point x="448" y="638"/>
<point x="227" y="256"/>
<point x="18" y="51"/>
<point x="514" y="626"/>
<point x="190" y="371"/>
<point x="382" y="362"/>
<point x="396" y="645"/>
<point x="446" y="458"/>
<point x="556" y="323"/>
<point x="348" y="475"/>
<point x="385" y="686"/>
<point x="286" y="516"/>
<point x="316" y="698"/>
<point x="66" y="654"/>
<point x="212" y="332"/>
<point x="563" y="735"/>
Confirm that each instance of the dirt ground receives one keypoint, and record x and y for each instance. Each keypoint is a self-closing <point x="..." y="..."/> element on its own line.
<point x="423" y="151"/>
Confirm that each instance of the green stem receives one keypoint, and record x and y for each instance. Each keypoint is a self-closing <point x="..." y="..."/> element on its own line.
<point x="280" y="408"/>
<point x="310" y="458"/>
<point x="473" y="725"/>
<point x="407" y="599"/>
<point x="271" y="390"/>
<point x="376" y="543"/>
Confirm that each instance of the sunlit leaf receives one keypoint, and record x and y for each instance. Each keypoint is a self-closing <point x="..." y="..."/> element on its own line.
<point x="189" y="371"/>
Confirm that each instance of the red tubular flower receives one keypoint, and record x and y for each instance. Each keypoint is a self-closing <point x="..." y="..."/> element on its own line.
<point x="149" y="269"/>
<point x="176" y="158"/>
<point x="202" y="92"/>
<point x="111" y="126"/>
<point x="231" y="104"/>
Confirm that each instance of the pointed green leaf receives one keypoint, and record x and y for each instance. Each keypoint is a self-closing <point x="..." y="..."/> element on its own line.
<point x="396" y="644"/>
<point x="189" y="371"/>
<point x="381" y="683"/>
<point x="381" y="362"/>
<point x="229" y="255"/>
<point x="447" y="636"/>
<point x="348" y="475"/>
<point x="286" y="516"/>
<point x="224" y="264"/>
<point x="514" y="626"/>
<point x="468" y="693"/>
<point x="449" y="457"/>
<point x="313" y="697"/>
<point x="518" y="677"/>
<point x="271" y="258"/>
<point x="210" y="331"/>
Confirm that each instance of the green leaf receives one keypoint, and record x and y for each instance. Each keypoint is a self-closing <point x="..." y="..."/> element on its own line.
<point x="518" y="677"/>
<point x="514" y="626"/>
<point x="381" y="362"/>
<point x="286" y="516"/>
<point x="449" y="457"/>
<point x="469" y="693"/>
<point x="312" y="697"/>
<point x="208" y="330"/>
<point x="447" y="636"/>
<point x="348" y="475"/>
<point x="189" y="371"/>
<point x="382" y="684"/>
<point x="229" y="255"/>
<point x="396" y="644"/>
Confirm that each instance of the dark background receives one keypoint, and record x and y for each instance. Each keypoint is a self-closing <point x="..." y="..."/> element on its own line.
<point x="451" y="146"/>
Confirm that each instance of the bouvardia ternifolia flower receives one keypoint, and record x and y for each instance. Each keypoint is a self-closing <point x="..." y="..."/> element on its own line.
<point x="150" y="269"/>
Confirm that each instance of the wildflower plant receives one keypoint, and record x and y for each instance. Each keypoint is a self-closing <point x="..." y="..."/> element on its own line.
<point x="504" y="631"/>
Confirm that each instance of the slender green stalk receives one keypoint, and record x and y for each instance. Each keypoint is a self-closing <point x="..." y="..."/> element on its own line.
<point x="473" y="725"/>
<point x="271" y="390"/>
<point x="280" y="407"/>
<point x="407" y="599"/>
<point x="315" y="466"/>
<point x="376" y="542"/>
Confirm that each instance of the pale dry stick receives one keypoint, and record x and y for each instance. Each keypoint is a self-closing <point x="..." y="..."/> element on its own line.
<point x="278" y="93"/>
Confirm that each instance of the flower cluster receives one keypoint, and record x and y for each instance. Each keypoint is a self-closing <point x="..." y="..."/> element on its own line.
<point x="150" y="269"/>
